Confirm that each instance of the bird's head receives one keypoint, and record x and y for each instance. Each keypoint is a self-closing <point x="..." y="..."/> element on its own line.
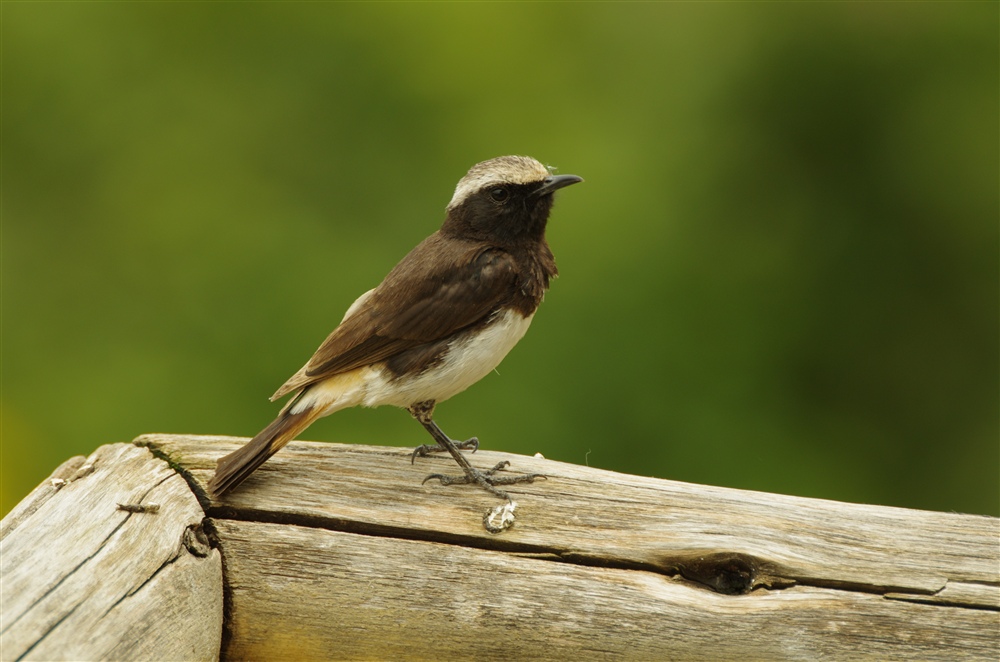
<point x="504" y="200"/>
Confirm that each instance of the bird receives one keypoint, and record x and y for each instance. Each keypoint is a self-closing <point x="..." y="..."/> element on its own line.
<point x="442" y="319"/>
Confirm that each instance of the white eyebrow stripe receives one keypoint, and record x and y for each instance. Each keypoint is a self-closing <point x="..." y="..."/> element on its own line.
<point x="501" y="170"/>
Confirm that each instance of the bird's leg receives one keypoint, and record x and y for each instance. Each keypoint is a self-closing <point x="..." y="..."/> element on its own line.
<point x="488" y="480"/>
<point x="422" y="410"/>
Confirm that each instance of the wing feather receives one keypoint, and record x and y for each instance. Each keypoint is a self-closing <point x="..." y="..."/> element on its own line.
<point x="441" y="287"/>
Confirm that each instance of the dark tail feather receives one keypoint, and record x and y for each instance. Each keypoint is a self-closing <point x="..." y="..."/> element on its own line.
<point x="236" y="467"/>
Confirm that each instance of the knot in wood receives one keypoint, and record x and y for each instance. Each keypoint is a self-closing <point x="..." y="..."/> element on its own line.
<point x="196" y="541"/>
<point x="724" y="572"/>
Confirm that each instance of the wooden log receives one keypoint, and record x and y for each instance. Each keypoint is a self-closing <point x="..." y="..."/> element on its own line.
<point x="339" y="552"/>
<point x="107" y="560"/>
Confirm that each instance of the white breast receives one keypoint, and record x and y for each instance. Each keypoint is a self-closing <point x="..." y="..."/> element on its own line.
<point x="467" y="361"/>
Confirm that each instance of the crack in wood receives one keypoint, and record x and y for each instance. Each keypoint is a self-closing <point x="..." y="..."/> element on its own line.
<point x="715" y="555"/>
<point x="66" y="576"/>
<point x="724" y="572"/>
<point x="50" y="630"/>
<point x="86" y="560"/>
<point x="159" y="453"/>
<point x="963" y="594"/>
<point x="49" y="488"/>
<point x="143" y="584"/>
<point x="89" y="582"/>
<point x="375" y="530"/>
<point x="895" y="595"/>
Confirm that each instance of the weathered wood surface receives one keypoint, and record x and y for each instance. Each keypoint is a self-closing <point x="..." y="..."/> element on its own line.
<point x="83" y="579"/>
<point x="339" y="552"/>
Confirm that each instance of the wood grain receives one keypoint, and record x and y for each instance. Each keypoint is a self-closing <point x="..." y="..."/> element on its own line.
<point x="339" y="552"/>
<point x="83" y="579"/>
<point x="310" y="594"/>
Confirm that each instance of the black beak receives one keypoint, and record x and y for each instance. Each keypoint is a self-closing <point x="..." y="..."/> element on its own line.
<point x="554" y="183"/>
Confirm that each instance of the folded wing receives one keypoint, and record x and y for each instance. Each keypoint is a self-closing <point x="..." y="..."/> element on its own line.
<point x="414" y="306"/>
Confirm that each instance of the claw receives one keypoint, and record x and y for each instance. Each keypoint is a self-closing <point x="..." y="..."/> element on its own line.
<point x="421" y="451"/>
<point x="488" y="479"/>
<point x="498" y="467"/>
<point x="425" y="449"/>
<point x="472" y="442"/>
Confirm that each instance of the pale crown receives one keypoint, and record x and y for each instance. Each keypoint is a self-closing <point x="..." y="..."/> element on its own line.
<point x="501" y="170"/>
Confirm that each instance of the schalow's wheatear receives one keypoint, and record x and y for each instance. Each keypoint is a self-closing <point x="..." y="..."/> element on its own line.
<point x="442" y="319"/>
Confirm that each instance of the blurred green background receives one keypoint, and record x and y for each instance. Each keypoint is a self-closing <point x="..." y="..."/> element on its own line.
<point x="781" y="273"/>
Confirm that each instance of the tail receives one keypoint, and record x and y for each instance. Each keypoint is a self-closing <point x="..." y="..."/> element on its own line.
<point x="236" y="467"/>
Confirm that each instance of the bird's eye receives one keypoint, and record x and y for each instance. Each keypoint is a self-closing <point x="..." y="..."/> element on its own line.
<point x="499" y="194"/>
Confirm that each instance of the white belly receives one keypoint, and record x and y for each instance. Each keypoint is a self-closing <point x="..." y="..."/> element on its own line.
<point x="466" y="362"/>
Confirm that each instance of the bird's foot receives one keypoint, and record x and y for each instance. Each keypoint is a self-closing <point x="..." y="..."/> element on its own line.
<point x="426" y="449"/>
<point x="488" y="480"/>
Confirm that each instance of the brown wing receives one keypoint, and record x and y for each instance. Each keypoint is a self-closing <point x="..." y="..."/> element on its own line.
<point x="442" y="286"/>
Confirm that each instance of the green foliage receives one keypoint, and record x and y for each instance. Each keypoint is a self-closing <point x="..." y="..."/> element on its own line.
<point x="780" y="274"/>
